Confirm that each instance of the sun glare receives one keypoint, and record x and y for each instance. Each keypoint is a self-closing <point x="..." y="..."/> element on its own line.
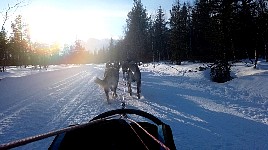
<point x="53" y="25"/>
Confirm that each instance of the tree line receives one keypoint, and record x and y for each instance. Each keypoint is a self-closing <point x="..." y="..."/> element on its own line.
<point x="208" y="30"/>
<point x="18" y="50"/>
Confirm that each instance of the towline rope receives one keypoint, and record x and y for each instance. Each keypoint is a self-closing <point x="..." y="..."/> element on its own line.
<point x="159" y="142"/>
<point x="138" y="137"/>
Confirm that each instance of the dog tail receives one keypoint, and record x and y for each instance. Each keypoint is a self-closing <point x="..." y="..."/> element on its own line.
<point x="99" y="81"/>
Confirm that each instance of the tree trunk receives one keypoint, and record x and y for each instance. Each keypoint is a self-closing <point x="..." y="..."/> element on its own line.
<point x="266" y="53"/>
<point x="3" y="65"/>
<point x="256" y="59"/>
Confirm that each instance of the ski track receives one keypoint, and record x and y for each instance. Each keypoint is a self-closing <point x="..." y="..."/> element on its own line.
<point x="253" y="106"/>
<point x="75" y="98"/>
<point x="245" y="106"/>
<point x="53" y="100"/>
<point x="71" y="100"/>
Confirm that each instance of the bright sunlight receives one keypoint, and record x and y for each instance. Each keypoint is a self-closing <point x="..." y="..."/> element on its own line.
<point x="48" y="24"/>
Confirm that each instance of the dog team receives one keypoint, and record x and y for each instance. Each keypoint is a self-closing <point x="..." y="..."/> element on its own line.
<point x="131" y="73"/>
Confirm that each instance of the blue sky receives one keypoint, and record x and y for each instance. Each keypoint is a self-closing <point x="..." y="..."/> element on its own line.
<point x="66" y="20"/>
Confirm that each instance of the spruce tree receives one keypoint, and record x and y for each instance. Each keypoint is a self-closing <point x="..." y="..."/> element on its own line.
<point x="201" y="21"/>
<point x="16" y="40"/>
<point x="160" y="33"/>
<point x="174" y="24"/>
<point x="262" y="28"/>
<point x="245" y="36"/>
<point x="179" y="32"/>
<point x="184" y="32"/>
<point x="3" y="49"/>
<point x="113" y="55"/>
<point x="136" y="37"/>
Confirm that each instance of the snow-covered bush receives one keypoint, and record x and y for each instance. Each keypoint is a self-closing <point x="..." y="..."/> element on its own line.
<point x="220" y="71"/>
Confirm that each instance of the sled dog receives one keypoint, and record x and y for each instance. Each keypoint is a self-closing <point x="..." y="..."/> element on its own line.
<point x="133" y="74"/>
<point x="110" y="80"/>
<point x="124" y="66"/>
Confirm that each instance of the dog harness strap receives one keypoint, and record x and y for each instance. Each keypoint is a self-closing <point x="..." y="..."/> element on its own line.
<point x="160" y="135"/>
<point x="56" y="145"/>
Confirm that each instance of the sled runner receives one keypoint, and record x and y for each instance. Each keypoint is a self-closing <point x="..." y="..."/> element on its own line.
<point x="113" y="129"/>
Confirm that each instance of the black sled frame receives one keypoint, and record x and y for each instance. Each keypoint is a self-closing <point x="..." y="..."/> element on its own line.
<point x="109" y="130"/>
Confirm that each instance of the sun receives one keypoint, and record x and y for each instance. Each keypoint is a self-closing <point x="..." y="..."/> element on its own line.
<point x="47" y="24"/>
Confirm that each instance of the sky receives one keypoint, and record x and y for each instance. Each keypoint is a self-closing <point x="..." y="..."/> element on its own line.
<point x="202" y="114"/>
<point x="67" y="20"/>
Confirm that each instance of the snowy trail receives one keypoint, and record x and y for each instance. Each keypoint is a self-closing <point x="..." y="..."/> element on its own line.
<point x="217" y="116"/>
<point x="65" y="98"/>
<point x="199" y="109"/>
<point x="209" y="117"/>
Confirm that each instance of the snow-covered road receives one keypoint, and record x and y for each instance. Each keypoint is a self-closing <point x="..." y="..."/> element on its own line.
<point x="202" y="114"/>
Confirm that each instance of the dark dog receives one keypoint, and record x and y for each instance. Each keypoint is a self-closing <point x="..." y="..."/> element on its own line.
<point x="110" y="80"/>
<point x="124" y="66"/>
<point x="133" y="74"/>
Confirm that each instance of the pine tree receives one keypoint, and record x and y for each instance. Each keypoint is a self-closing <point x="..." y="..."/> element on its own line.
<point x="262" y="27"/>
<point x="151" y="39"/>
<point x="112" y="51"/>
<point x="179" y="32"/>
<point x="211" y="35"/>
<point x="16" y="40"/>
<point x="3" y="48"/>
<point x="245" y="34"/>
<point x="160" y="33"/>
<point x="19" y="45"/>
<point x="174" y="24"/>
<point x="136" y="37"/>
<point x="79" y="54"/>
<point x="184" y="32"/>
<point x="225" y="10"/>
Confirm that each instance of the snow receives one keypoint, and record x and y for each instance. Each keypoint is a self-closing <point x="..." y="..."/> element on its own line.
<point x="202" y="114"/>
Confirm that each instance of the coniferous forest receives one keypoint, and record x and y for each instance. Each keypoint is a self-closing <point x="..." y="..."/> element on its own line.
<point x="206" y="31"/>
